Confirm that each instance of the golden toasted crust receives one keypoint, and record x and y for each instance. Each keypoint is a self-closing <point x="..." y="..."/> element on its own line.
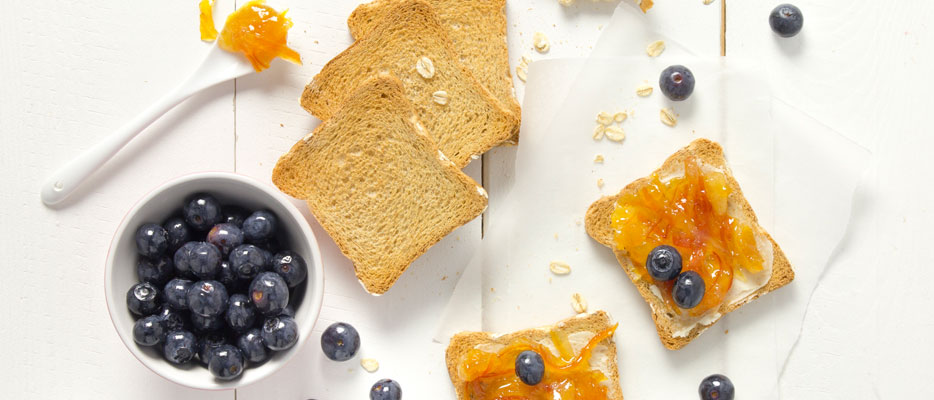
<point x="471" y="122"/>
<point x="478" y="32"/>
<point x="377" y="184"/>
<point x="597" y="223"/>
<point x="594" y="322"/>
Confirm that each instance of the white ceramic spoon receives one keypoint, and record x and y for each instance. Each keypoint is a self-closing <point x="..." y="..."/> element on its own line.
<point x="219" y="66"/>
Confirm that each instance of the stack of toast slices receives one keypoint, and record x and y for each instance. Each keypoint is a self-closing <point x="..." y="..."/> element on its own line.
<point x="425" y="89"/>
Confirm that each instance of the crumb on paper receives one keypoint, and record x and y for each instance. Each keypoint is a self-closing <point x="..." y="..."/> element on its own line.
<point x="707" y="2"/>
<point x="556" y="236"/>
<point x="598" y="132"/>
<point x="644" y="90"/>
<point x="522" y="71"/>
<point x="655" y="48"/>
<point x="668" y="117"/>
<point x="578" y="303"/>
<point x="604" y="118"/>
<point x="559" y="268"/>
<point x="600" y="183"/>
<point x="369" y="364"/>
<point x="577" y="222"/>
<point x="598" y="159"/>
<point x="620" y="116"/>
<point x="492" y="290"/>
<point x="615" y="133"/>
<point x="444" y="278"/>
<point x="726" y="332"/>
<point x="282" y="125"/>
<point x="540" y="42"/>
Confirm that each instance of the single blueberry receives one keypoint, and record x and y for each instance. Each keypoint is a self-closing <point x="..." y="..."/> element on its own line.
<point x="226" y="362"/>
<point x="235" y="215"/>
<point x="716" y="387"/>
<point x="530" y="368"/>
<point x="340" y="341"/>
<point x="259" y="226"/>
<point x="176" y="293"/>
<point x="663" y="263"/>
<point x="157" y="270"/>
<point x="247" y="261"/>
<point x="269" y="293"/>
<point x="786" y="20"/>
<point x="206" y="324"/>
<point x="688" y="290"/>
<point x="204" y="260"/>
<point x="149" y="331"/>
<point x="151" y="240"/>
<point x="207" y="344"/>
<point x="174" y="319"/>
<point x="207" y="298"/>
<point x="225" y="237"/>
<point x="182" y="259"/>
<point x="676" y="82"/>
<point x="386" y="389"/>
<point x="290" y="266"/>
<point x="178" y="232"/>
<point x="252" y="346"/>
<point x="180" y="347"/>
<point x="279" y="333"/>
<point x="240" y="313"/>
<point x="143" y="299"/>
<point x="202" y="211"/>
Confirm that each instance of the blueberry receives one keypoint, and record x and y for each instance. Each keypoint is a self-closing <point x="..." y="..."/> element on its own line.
<point x="786" y="20"/>
<point x="235" y="215"/>
<point x="206" y="324"/>
<point x="252" y="346"/>
<point x="240" y="313"/>
<point x="151" y="240"/>
<point x="207" y="298"/>
<point x="204" y="260"/>
<point x="290" y="266"/>
<point x="178" y="232"/>
<point x="226" y="362"/>
<point x="530" y="368"/>
<point x="279" y="333"/>
<point x="157" y="271"/>
<point x="182" y="258"/>
<point x="228" y="277"/>
<point x="180" y="347"/>
<point x="688" y="290"/>
<point x="149" y="331"/>
<point x="340" y="341"/>
<point x="143" y="299"/>
<point x="247" y="260"/>
<point x="663" y="263"/>
<point x="174" y="320"/>
<point x="202" y="211"/>
<point x="676" y="82"/>
<point x="716" y="387"/>
<point x="269" y="293"/>
<point x="225" y="237"/>
<point x="206" y="346"/>
<point x="259" y="226"/>
<point x="176" y="293"/>
<point x="386" y="389"/>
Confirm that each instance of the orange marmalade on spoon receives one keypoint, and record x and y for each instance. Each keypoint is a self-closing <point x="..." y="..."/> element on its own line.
<point x="492" y="376"/>
<point x="689" y="212"/>
<point x="255" y="29"/>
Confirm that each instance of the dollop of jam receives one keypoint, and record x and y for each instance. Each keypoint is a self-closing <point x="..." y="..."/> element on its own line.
<point x="260" y="33"/>
<point x="689" y="212"/>
<point x="492" y="376"/>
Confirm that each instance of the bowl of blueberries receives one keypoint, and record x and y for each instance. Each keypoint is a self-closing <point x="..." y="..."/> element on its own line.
<point x="214" y="280"/>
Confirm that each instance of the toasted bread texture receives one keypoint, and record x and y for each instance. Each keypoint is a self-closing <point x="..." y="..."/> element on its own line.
<point x="378" y="184"/>
<point x="592" y="323"/>
<point x="597" y="223"/>
<point x="478" y="32"/>
<point x="468" y="123"/>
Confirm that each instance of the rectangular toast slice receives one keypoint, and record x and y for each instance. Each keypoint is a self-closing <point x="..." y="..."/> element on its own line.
<point x="478" y="32"/>
<point x="463" y="118"/>
<point x="583" y="327"/>
<point x="378" y="184"/>
<point x="673" y="333"/>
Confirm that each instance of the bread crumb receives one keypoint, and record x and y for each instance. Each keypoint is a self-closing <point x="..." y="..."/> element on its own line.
<point x="615" y="133"/>
<point x="522" y="71"/>
<point x="600" y="183"/>
<point x="492" y="290"/>
<point x="655" y="48"/>
<point x="540" y="42"/>
<point x="707" y="2"/>
<point x="559" y="268"/>
<point x="578" y="303"/>
<point x="726" y="332"/>
<point x="425" y="67"/>
<point x="282" y="125"/>
<point x="598" y="159"/>
<point x="644" y="90"/>
<point x="598" y="132"/>
<point x="444" y="278"/>
<point x="440" y="97"/>
<point x="620" y="116"/>
<point x="549" y="279"/>
<point x="668" y="117"/>
<point x="556" y="236"/>
<point x="369" y="364"/>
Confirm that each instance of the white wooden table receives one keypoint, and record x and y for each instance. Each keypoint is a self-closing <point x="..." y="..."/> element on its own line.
<point x="71" y="72"/>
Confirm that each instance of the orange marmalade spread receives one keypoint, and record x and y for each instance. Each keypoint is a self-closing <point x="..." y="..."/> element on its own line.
<point x="208" y="31"/>
<point x="490" y="376"/>
<point x="688" y="212"/>
<point x="260" y="33"/>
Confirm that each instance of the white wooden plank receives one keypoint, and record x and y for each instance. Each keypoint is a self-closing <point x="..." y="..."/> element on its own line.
<point x="72" y="73"/>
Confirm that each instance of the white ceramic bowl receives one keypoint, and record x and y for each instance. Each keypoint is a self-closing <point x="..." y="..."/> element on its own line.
<point x="160" y="204"/>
